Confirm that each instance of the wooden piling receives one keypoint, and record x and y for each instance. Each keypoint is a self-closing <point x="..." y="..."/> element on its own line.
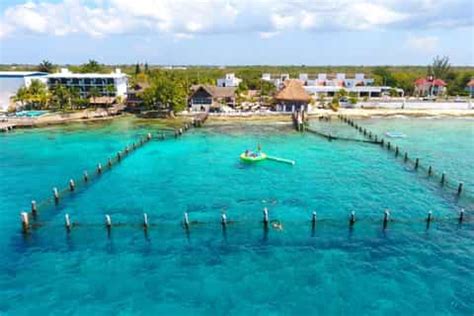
<point x="405" y="159"/>
<point x="119" y="156"/>
<point x="108" y="221"/>
<point x="460" y="186"/>
<point x="86" y="176"/>
<point x="386" y="217"/>
<point x="145" y="220"/>
<point x="72" y="185"/>
<point x="352" y="218"/>
<point x="430" y="171"/>
<point x="186" y="220"/>
<point x="417" y="162"/>
<point x="25" y="222"/>
<point x="265" y="216"/>
<point x="223" y="219"/>
<point x="99" y="168"/>
<point x="67" y="222"/>
<point x="429" y="218"/>
<point x="109" y="162"/>
<point x="396" y="151"/>
<point x="34" y="209"/>
<point x="443" y="178"/>
<point x="461" y="215"/>
<point x="55" y="195"/>
<point x="313" y="218"/>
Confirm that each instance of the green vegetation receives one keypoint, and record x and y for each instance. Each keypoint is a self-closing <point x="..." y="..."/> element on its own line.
<point x="46" y="66"/>
<point x="166" y="91"/>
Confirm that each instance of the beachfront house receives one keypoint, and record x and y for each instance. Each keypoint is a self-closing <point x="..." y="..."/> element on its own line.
<point x="292" y="97"/>
<point x="205" y="98"/>
<point x="230" y="80"/>
<point x="429" y="87"/>
<point x="105" y="85"/>
<point x="470" y="87"/>
<point x="11" y="81"/>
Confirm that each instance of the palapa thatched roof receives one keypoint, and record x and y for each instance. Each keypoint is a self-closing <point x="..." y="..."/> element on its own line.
<point x="293" y="91"/>
<point x="216" y="92"/>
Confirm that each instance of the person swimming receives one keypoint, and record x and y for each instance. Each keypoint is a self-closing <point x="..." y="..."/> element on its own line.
<point x="277" y="226"/>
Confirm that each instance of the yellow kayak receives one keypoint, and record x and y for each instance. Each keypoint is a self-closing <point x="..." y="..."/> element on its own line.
<point x="251" y="158"/>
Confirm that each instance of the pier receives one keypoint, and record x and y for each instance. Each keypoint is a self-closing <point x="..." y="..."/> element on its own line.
<point x="415" y="163"/>
<point x="75" y="184"/>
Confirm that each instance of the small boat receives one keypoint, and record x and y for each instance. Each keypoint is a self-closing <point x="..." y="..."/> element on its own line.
<point x="253" y="157"/>
<point x="395" y="134"/>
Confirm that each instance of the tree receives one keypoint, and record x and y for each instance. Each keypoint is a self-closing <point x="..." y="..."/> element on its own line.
<point x="110" y="89"/>
<point x="60" y="96"/>
<point x="46" y="66"/>
<point x="383" y="76"/>
<point x="94" y="93"/>
<point x="440" y="67"/>
<point x="38" y="94"/>
<point x="91" y="66"/>
<point x="22" y="95"/>
<point x="147" y="71"/>
<point x="137" y="69"/>
<point x="168" y="92"/>
<point x="267" y="88"/>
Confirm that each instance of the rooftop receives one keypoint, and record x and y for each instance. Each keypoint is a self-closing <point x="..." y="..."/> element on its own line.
<point x="19" y="74"/>
<point x="65" y="73"/>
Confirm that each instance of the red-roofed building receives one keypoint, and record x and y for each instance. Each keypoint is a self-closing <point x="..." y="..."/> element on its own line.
<point x="429" y="87"/>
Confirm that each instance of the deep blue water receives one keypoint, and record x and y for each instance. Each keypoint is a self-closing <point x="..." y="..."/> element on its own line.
<point x="331" y="269"/>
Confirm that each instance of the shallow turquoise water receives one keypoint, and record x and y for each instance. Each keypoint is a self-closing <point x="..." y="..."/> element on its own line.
<point x="333" y="269"/>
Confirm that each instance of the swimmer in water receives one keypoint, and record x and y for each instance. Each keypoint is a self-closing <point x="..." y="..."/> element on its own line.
<point x="277" y="226"/>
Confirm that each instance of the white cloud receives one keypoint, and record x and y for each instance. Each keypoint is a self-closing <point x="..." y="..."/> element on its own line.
<point x="188" y="18"/>
<point x="427" y="44"/>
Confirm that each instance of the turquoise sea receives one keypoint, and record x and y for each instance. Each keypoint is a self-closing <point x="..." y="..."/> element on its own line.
<point x="331" y="269"/>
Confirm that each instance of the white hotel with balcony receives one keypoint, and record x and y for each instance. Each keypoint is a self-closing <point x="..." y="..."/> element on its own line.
<point x="85" y="82"/>
<point x="328" y="85"/>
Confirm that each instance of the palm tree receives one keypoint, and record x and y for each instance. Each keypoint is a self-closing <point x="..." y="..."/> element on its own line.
<point x="60" y="96"/>
<point x="22" y="95"/>
<point x="46" y="66"/>
<point x="110" y="89"/>
<point x="94" y="93"/>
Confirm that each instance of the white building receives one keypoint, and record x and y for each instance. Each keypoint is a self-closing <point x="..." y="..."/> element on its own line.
<point x="11" y="81"/>
<point x="230" y="80"/>
<point x="117" y="81"/>
<point x="277" y="80"/>
<point x="324" y="84"/>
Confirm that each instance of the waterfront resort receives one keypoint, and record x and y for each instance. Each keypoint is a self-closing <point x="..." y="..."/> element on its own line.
<point x="228" y="191"/>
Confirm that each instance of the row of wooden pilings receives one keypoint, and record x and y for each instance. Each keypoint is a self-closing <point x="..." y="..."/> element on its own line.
<point x="299" y="118"/>
<point x="100" y="169"/>
<point x="186" y="222"/>
<point x="392" y="147"/>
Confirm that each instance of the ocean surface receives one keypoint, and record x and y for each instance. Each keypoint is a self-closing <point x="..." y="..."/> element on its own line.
<point x="332" y="268"/>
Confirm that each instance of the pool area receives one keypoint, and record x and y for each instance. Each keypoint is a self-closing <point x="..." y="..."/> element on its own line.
<point x="30" y="114"/>
<point x="327" y="268"/>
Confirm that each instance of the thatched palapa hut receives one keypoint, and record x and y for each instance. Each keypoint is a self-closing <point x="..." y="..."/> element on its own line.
<point x="292" y="97"/>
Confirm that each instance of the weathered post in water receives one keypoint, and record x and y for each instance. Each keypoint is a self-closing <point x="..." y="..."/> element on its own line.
<point x="34" y="209"/>
<point x="56" y="195"/>
<point x="25" y="222"/>
<point x="352" y="218"/>
<point x="460" y="186"/>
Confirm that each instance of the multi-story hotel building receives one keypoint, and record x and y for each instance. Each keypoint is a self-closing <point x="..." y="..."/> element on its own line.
<point x="108" y="85"/>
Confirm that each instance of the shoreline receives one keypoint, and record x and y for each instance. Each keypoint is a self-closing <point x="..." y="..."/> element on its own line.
<point x="102" y="115"/>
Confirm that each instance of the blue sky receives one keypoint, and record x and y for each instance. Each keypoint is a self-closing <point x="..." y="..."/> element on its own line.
<point x="229" y="32"/>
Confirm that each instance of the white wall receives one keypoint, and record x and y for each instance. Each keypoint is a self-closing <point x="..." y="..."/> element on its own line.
<point x="8" y="88"/>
